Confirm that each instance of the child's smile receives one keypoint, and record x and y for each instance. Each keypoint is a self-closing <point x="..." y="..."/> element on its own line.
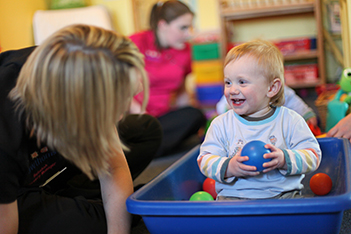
<point x="237" y="102"/>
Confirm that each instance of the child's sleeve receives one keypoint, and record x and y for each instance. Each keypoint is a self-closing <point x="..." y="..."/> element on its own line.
<point x="213" y="159"/>
<point x="303" y="154"/>
<point x="214" y="166"/>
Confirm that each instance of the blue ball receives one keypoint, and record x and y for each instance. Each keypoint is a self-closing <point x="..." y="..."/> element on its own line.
<point x="255" y="151"/>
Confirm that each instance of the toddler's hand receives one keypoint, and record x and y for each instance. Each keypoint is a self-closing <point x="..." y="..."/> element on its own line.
<point x="238" y="169"/>
<point x="277" y="156"/>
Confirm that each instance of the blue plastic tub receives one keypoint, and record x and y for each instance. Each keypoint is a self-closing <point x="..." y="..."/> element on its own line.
<point x="163" y="203"/>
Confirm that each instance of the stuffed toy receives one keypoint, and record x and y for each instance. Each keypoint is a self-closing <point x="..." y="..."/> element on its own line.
<point x="338" y="107"/>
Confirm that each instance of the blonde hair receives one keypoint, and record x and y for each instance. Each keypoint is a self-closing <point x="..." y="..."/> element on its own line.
<point x="74" y="88"/>
<point x="269" y="59"/>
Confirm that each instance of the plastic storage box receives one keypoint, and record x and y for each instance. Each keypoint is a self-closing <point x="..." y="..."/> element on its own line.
<point x="295" y="73"/>
<point x="163" y="203"/>
<point x="209" y="94"/>
<point x="208" y="72"/>
<point x="205" y="51"/>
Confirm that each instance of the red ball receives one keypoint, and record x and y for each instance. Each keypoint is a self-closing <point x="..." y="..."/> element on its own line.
<point x="321" y="184"/>
<point x="209" y="186"/>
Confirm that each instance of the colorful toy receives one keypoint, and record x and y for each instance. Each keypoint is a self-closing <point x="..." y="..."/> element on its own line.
<point x="321" y="184"/>
<point x="209" y="185"/>
<point x="322" y="135"/>
<point x="255" y="150"/>
<point x="315" y="130"/>
<point x="336" y="108"/>
<point x="201" y="196"/>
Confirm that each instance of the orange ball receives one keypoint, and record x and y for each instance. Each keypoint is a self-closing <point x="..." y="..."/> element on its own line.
<point x="209" y="186"/>
<point x="321" y="184"/>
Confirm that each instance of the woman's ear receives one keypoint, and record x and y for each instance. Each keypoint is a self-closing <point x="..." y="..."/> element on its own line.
<point x="274" y="87"/>
<point x="161" y="24"/>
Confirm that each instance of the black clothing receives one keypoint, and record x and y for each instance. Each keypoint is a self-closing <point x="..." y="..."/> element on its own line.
<point x="69" y="202"/>
<point x="178" y="125"/>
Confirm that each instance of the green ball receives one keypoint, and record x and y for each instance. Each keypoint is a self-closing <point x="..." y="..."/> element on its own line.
<point x="201" y="196"/>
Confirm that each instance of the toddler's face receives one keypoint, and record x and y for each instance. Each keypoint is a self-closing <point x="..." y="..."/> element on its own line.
<point x="246" y="89"/>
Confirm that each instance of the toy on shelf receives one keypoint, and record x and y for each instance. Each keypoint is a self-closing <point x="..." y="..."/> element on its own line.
<point x="338" y="107"/>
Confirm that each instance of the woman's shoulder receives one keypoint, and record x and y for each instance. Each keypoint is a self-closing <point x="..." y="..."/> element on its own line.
<point x="11" y="62"/>
<point x="11" y="123"/>
<point x="17" y="57"/>
<point x="143" y="37"/>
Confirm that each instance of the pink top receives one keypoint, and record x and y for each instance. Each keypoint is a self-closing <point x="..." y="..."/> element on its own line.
<point x="167" y="70"/>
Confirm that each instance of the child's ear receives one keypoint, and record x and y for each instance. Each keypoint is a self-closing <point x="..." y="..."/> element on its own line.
<point x="274" y="87"/>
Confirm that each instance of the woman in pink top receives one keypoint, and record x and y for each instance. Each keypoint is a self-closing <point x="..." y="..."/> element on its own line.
<point x="168" y="62"/>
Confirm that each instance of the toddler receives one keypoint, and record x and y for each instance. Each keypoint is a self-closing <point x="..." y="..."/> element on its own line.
<point x="254" y="90"/>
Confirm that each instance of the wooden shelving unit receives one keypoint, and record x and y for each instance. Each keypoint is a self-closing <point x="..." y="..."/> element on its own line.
<point x="345" y="15"/>
<point x="331" y="36"/>
<point x="232" y="12"/>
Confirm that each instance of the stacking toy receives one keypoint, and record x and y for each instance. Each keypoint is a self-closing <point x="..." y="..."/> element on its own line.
<point x="255" y="151"/>
<point x="321" y="184"/>
<point x="201" y="196"/>
<point x="209" y="185"/>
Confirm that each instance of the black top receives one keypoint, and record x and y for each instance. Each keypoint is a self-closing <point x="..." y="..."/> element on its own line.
<point x="22" y="162"/>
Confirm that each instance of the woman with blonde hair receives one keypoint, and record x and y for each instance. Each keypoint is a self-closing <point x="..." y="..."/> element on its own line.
<point x="59" y="119"/>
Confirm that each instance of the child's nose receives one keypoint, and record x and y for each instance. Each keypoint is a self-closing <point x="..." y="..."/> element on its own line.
<point x="234" y="90"/>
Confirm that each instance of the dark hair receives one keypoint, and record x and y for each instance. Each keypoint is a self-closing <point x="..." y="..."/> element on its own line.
<point x="167" y="11"/>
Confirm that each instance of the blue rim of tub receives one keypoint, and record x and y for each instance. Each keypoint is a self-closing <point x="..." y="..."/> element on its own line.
<point x="322" y="204"/>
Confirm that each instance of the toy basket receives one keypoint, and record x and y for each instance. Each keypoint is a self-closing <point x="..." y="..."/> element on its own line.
<point x="164" y="202"/>
<point x="322" y="106"/>
<point x="326" y="92"/>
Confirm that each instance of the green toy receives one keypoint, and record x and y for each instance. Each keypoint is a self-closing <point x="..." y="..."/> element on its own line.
<point x="337" y="109"/>
<point x="66" y="4"/>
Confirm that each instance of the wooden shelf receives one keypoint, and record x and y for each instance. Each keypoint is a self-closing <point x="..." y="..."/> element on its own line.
<point x="303" y="84"/>
<point x="229" y="15"/>
<point x="312" y="54"/>
<point x="266" y="11"/>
